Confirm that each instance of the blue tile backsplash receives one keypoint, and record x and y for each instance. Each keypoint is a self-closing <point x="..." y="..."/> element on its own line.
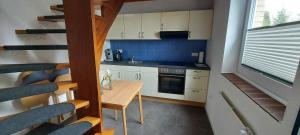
<point x="170" y="50"/>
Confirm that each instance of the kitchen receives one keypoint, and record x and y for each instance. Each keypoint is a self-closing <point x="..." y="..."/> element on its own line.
<point x="166" y="50"/>
<point x="223" y="67"/>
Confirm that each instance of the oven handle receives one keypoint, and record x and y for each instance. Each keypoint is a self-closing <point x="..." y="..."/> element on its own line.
<point x="182" y="76"/>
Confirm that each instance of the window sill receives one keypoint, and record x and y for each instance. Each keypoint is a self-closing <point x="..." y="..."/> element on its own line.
<point x="267" y="103"/>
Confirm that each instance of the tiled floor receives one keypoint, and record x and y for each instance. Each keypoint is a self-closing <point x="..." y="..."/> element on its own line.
<point x="160" y="119"/>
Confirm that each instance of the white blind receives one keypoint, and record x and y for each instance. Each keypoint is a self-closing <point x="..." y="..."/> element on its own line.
<point x="274" y="50"/>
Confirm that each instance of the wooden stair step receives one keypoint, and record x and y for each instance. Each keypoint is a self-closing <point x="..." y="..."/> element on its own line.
<point x="40" y="31"/>
<point x="79" y="103"/>
<point x="59" y="7"/>
<point x="65" y="86"/>
<point x="12" y="68"/>
<point x="34" y="47"/>
<point x="108" y="131"/>
<point x="52" y="18"/>
<point x="93" y="120"/>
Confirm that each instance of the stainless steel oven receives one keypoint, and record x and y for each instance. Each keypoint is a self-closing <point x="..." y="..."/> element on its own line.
<point x="171" y="80"/>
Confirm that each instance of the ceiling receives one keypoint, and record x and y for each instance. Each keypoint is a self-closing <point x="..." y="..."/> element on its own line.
<point x="165" y="5"/>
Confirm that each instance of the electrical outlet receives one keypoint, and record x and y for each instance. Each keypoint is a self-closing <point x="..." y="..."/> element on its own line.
<point x="195" y="54"/>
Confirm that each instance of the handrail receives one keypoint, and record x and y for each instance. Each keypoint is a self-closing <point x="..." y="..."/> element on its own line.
<point x="12" y="68"/>
<point x="249" y="130"/>
<point x="34" y="47"/>
<point x="13" y="93"/>
<point x="30" y="118"/>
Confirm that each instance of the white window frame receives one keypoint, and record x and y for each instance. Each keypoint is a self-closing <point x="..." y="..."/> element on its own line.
<point x="271" y="86"/>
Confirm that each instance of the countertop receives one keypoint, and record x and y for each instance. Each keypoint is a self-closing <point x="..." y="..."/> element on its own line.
<point x="158" y="64"/>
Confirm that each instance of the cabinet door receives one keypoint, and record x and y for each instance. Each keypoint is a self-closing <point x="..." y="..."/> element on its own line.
<point x="196" y="82"/>
<point x="132" y="26"/>
<point x="196" y="95"/>
<point x="116" y="75"/>
<point x="150" y="81"/>
<point x="200" y="24"/>
<point x="130" y="75"/>
<point x="116" y="31"/>
<point x="151" y="25"/>
<point x="175" y="21"/>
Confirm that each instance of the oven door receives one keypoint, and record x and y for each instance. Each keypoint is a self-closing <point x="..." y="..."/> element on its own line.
<point x="173" y="84"/>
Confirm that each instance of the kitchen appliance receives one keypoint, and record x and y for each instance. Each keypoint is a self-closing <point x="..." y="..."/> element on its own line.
<point x="108" y="55"/>
<point x="201" y="58"/>
<point x="171" y="79"/>
<point x="174" y="34"/>
<point x="118" y="55"/>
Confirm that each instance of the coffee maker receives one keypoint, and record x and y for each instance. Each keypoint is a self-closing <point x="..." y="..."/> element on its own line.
<point x="118" y="55"/>
<point x="108" y="55"/>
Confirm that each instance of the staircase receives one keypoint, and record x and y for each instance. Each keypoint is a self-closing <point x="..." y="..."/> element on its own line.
<point x="86" y="33"/>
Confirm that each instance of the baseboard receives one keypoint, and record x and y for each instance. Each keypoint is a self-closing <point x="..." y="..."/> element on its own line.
<point x="174" y="101"/>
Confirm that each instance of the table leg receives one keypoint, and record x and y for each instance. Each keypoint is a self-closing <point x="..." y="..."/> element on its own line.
<point x="141" y="108"/>
<point x="124" y="121"/>
<point x="116" y="114"/>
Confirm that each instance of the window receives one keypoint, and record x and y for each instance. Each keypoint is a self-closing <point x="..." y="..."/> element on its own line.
<point x="272" y="42"/>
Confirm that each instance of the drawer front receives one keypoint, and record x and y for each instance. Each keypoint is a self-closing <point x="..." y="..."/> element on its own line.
<point x="130" y="68"/>
<point x="110" y="67"/>
<point x="195" y="95"/>
<point x="196" y="82"/>
<point x="149" y="69"/>
<point x="190" y="72"/>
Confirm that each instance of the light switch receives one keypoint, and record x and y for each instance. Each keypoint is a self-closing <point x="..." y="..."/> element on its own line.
<point x="195" y="54"/>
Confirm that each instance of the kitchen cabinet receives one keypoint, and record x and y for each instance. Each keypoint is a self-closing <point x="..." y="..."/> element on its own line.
<point x="175" y="21"/>
<point x="149" y="76"/>
<point x="131" y="75"/>
<point x="200" y="24"/>
<point x="150" y="25"/>
<point x="116" y="31"/>
<point x="132" y="26"/>
<point x="196" y="81"/>
<point x="116" y="75"/>
<point x="196" y="85"/>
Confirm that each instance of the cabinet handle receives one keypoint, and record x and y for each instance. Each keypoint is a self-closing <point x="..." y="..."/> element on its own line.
<point x="197" y="71"/>
<point x="196" y="91"/>
<point x="122" y="34"/>
<point x="197" y="77"/>
<point x="136" y="76"/>
<point x="189" y="34"/>
<point x="161" y="26"/>
<point x="140" y="35"/>
<point x="119" y="75"/>
<point x="143" y="34"/>
<point x="140" y="76"/>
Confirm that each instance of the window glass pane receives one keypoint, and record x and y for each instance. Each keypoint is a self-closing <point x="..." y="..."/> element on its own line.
<point x="274" y="51"/>
<point x="274" y="12"/>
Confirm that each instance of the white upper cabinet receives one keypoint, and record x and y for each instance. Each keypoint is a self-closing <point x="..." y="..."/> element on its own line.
<point x="200" y="25"/>
<point x="175" y="21"/>
<point x="116" y="31"/>
<point x="150" y="26"/>
<point x="133" y="26"/>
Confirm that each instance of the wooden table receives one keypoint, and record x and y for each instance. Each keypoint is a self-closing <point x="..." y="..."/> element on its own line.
<point x="122" y="93"/>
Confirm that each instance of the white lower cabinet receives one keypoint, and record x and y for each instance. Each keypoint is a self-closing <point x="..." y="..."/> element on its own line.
<point x="150" y="80"/>
<point x="196" y="95"/>
<point x="196" y="83"/>
<point x="149" y="76"/>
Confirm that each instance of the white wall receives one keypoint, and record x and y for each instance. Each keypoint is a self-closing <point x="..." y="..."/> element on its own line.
<point x="15" y="14"/>
<point x="223" y="56"/>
